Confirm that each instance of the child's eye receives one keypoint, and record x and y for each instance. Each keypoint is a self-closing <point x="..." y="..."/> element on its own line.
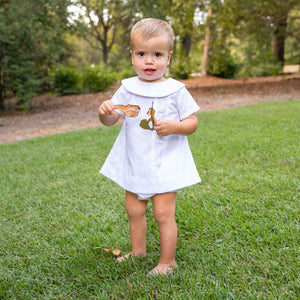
<point x="157" y="54"/>
<point x="141" y="54"/>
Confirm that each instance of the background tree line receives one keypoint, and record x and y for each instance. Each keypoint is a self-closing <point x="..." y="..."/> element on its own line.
<point x="227" y="38"/>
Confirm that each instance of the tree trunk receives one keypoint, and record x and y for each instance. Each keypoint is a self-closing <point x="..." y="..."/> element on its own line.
<point x="206" y="45"/>
<point x="104" y="43"/>
<point x="105" y="53"/>
<point x="279" y="39"/>
<point x="186" y="43"/>
<point x="1" y="92"/>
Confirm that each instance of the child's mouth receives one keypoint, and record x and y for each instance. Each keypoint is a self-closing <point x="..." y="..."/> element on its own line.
<point x="149" y="71"/>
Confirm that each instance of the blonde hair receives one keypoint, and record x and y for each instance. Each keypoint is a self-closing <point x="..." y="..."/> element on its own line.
<point x="150" y="27"/>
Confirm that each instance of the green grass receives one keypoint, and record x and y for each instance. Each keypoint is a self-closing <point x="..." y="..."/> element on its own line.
<point x="238" y="234"/>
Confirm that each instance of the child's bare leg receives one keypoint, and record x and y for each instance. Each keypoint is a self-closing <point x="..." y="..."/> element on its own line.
<point x="137" y="225"/>
<point x="164" y="212"/>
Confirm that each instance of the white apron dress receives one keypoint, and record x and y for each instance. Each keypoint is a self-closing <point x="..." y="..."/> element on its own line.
<point x="140" y="161"/>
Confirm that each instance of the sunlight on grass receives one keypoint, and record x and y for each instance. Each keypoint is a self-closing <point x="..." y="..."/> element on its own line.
<point x="238" y="231"/>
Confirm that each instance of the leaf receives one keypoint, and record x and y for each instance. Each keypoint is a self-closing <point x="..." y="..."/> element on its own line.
<point x="115" y="252"/>
<point x="105" y="249"/>
<point x="144" y="124"/>
<point x="129" y="110"/>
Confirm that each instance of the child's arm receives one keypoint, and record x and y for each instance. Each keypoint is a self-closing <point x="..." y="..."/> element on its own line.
<point x="184" y="127"/>
<point x="107" y="114"/>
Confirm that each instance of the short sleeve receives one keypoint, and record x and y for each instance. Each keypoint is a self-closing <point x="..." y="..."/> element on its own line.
<point x="186" y="104"/>
<point x="120" y="97"/>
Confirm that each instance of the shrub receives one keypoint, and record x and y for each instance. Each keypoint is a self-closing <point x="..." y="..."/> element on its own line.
<point x="222" y="65"/>
<point x="180" y="70"/>
<point x="259" y="70"/>
<point x="97" y="79"/>
<point x="66" y="81"/>
<point x="126" y="73"/>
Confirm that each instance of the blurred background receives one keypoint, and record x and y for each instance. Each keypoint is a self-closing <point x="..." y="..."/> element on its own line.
<point x="82" y="46"/>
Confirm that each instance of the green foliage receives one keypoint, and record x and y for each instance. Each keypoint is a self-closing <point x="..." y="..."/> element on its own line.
<point x="253" y="32"/>
<point x="31" y="40"/>
<point x="222" y="64"/>
<point x="66" y="81"/>
<point x="106" y="20"/>
<point x="126" y="73"/>
<point x="97" y="79"/>
<point x="259" y="70"/>
<point x="34" y="38"/>
<point x="238" y="231"/>
<point x="180" y="69"/>
<point x="292" y="44"/>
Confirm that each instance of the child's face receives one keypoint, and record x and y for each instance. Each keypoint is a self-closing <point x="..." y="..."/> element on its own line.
<point x="150" y="58"/>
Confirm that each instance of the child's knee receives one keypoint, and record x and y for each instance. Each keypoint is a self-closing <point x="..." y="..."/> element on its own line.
<point x="134" y="207"/>
<point x="163" y="216"/>
<point x="135" y="212"/>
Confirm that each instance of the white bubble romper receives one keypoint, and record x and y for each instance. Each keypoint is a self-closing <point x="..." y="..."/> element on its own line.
<point x="142" y="162"/>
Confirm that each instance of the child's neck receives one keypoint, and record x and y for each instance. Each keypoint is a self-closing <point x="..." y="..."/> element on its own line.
<point x="153" y="81"/>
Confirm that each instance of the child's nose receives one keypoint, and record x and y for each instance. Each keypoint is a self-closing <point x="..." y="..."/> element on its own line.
<point x="149" y="59"/>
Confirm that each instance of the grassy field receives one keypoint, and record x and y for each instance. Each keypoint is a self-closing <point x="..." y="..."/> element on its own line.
<point x="238" y="234"/>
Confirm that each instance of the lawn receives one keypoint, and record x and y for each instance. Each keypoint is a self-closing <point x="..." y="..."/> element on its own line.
<point x="238" y="231"/>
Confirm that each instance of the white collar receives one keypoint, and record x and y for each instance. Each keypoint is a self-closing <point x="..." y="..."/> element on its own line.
<point x="152" y="89"/>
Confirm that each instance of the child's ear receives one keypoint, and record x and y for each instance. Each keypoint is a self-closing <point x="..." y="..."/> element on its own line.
<point x="131" y="55"/>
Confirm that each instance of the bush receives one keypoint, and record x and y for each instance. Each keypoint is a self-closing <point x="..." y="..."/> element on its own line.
<point x="66" y="81"/>
<point x="222" y="65"/>
<point x="259" y="70"/>
<point x="180" y="70"/>
<point x="97" y="79"/>
<point x="126" y="73"/>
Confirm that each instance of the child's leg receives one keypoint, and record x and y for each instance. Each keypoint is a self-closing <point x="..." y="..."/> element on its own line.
<point x="164" y="212"/>
<point x="137" y="224"/>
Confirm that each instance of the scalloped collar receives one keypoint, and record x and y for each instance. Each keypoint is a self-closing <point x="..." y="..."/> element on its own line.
<point x="152" y="89"/>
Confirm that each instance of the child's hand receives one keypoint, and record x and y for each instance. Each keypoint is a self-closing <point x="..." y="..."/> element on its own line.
<point x="106" y="108"/>
<point x="107" y="114"/>
<point x="165" y="127"/>
<point x="184" y="127"/>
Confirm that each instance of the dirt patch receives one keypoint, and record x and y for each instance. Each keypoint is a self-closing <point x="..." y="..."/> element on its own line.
<point x="52" y="114"/>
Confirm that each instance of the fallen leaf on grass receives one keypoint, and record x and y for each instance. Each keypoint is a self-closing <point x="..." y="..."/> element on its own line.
<point x="115" y="252"/>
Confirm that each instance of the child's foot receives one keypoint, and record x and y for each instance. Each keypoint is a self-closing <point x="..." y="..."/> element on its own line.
<point x="124" y="257"/>
<point x="127" y="256"/>
<point x="162" y="269"/>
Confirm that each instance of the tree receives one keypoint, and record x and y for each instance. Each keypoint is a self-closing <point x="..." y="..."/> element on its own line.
<point x="205" y="57"/>
<point x="292" y="42"/>
<point x="279" y="18"/>
<point x="31" y="40"/>
<point x="216" y="59"/>
<point x="152" y="9"/>
<point x="265" y="22"/>
<point x="182" y="18"/>
<point x="102" y="21"/>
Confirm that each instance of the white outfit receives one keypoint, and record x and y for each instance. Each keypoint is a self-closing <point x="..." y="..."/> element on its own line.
<point x="142" y="162"/>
